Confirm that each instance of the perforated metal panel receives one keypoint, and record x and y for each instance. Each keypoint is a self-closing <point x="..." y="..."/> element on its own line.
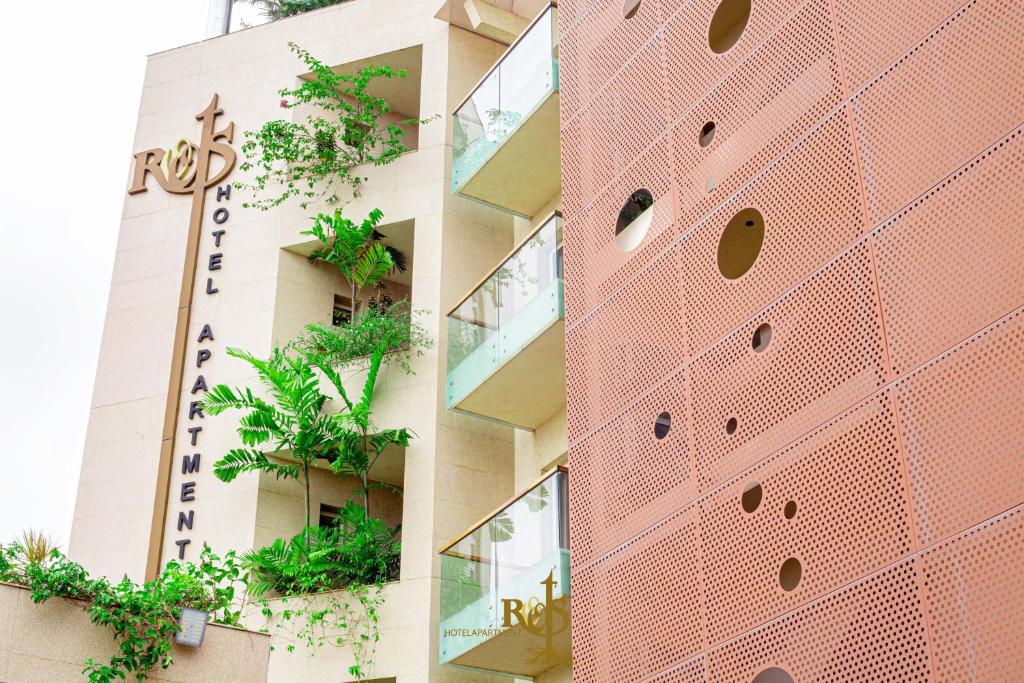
<point x="646" y="608"/>
<point x="946" y="100"/>
<point x="874" y="630"/>
<point x="637" y="475"/>
<point x="693" y="68"/>
<point x="950" y="263"/>
<point x="599" y="44"/>
<point x="881" y="412"/>
<point x="963" y="416"/>
<point x="626" y="347"/>
<point x="975" y="600"/>
<point x="811" y="213"/>
<point x="626" y="118"/>
<point x="760" y="109"/>
<point x="693" y="671"/>
<point x="825" y="354"/>
<point x="598" y="267"/>
<point x="845" y="484"/>
<point x="876" y="33"/>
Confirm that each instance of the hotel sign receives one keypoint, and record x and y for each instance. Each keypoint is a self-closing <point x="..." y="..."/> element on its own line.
<point x="177" y="167"/>
<point x="185" y="168"/>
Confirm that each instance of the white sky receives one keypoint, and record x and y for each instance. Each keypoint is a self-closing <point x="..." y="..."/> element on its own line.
<point x="71" y="76"/>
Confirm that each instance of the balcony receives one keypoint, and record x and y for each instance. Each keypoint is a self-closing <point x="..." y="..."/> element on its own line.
<point x="506" y="147"/>
<point x="506" y="339"/>
<point x="505" y="586"/>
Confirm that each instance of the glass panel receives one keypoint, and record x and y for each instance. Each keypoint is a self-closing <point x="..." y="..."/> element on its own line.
<point x="527" y="75"/>
<point x="505" y="559"/>
<point x="506" y="312"/>
<point x="475" y="134"/>
<point x="516" y="85"/>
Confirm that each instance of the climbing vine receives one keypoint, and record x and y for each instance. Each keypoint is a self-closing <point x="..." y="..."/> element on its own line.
<point x="346" y="617"/>
<point x="318" y="158"/>
<point x="143" y="617"/>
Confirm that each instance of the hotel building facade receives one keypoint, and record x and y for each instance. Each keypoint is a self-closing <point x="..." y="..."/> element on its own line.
<point x="774" y="396"/>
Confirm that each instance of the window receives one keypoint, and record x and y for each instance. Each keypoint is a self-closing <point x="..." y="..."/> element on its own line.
<point x="342" y="310"/>
<point x="634" y="220"/>
<point x="329" y="514"/>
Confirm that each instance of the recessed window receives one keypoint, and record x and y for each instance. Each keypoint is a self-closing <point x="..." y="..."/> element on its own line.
<point x="662" y="425"/>
<point x="634" y="220"/>
<point x="727" y="24"/>
<point x="329" y="514"/>
<point x="751" y="498"/>
<point x="342" y="314"/>
<point x="773" y="675"/>
<point x="740" y="243"/>
<point x="789" y="512"/>
<point x="789" y="574"/>
<point x="630" y="8"/>
<point x="730" y="425"/>
<point x="707" y="134"/>
<point x="762" y="335"/>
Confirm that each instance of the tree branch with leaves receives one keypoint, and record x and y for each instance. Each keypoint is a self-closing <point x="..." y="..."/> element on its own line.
<point x="318" y="159"/>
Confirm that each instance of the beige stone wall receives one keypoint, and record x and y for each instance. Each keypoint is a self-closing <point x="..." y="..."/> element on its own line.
<point x="457" y="468"/>
<point x="51" y="642"/>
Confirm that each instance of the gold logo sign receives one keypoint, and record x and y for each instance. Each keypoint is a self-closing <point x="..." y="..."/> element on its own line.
<point x="547" y="619"/>
<point x="187" y="168"/>
<point x="179" y="161"/>
<point x="177" y="168"/>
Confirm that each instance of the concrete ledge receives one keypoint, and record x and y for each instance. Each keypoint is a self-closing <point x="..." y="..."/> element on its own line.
<point x="51" y="642"/>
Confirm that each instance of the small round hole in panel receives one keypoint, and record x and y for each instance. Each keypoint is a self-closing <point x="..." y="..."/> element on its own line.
<point x="707" y="134"/>
<point x="740" y="244"/>
<point x="789" y="511"/>
<point x="727" y="24"/>
<point x="762" y="336"/>
<point x="751" y="498"/>
<point x="662" y="425"/>
<point x="730" y="425"/>
<point x="630" y="8"/>
<point x="773" y="675"/>
<point x="789" y="574"/>
<point x="634" y="220"/>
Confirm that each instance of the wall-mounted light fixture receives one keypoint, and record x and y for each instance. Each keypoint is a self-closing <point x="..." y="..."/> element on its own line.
<point x="193" y="627"/>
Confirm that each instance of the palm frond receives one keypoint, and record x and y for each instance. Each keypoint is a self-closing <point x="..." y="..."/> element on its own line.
<point x="260" y="426"/>
<point x="240" y="460"/>
<point x="374" y="263"/>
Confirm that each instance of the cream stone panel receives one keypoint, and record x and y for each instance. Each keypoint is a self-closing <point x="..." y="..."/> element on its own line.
<point x="171" y="66"/>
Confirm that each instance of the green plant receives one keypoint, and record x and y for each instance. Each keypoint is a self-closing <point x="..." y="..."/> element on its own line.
<point x="316" y="159"/>
<point x="356" y="250"/>
<point x="329" y="581"/>
<point x="357" y="550"/>
<point x="348" y="616"/>
<point x="390" y="327"/>
<point x="143" y="618"/>
<point x="295" y="427"/>
<point x="36" y="546"/>
<point x="360" y="445"/>
<point x="282" y="9"/>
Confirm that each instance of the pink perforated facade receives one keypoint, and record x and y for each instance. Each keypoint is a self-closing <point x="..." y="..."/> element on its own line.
<point x="839" y="494"/>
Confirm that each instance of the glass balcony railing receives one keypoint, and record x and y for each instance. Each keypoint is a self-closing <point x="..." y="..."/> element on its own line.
<point x="505" y="586"/>
<point x="519" y="84"/>
<point x="516" y="304"/>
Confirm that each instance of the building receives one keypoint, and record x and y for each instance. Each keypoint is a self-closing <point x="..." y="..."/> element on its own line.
<point x="196" y="273"/>
<point x="794" y="289"/>
<point x="773" y="396"/>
